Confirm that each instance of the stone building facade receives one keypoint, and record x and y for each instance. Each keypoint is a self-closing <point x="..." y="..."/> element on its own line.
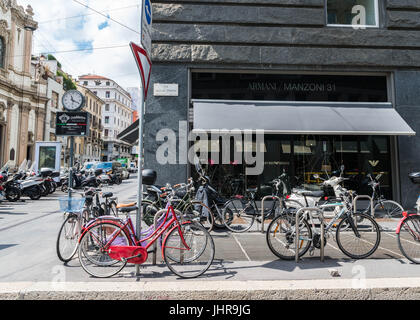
<point x="202" y="47"/>
<point x="22" y="89"/>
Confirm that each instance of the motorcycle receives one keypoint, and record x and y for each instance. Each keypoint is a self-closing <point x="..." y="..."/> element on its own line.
<point x="111" y="178"/>
<point x="82" y="180"/>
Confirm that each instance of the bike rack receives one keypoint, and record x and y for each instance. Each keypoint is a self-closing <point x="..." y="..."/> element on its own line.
<point x="372" y="211"/>
<point x="298" y="213"/>
<point x="155" y="219"/>
<point x="262" y="209"/>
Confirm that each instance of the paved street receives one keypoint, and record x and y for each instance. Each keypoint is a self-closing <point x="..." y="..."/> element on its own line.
<point x="28" y="232"/>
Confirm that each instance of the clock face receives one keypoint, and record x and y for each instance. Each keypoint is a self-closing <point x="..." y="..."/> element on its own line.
<point x="73" y="100"/>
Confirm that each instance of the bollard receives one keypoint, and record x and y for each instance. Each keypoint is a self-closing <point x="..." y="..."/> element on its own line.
<point x="364" y="197"/>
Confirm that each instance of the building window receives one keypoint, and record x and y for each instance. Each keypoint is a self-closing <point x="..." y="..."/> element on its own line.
<point x="85" y="83"/>
<point x="107" y="107"/>
<point x="106" y="120"/>
<point x="355" y="13"/>
<point x="95" y="93"/>
<point x="106" y="132"/>
<point x="108" y="83"/>
<point x="107" y="94"/>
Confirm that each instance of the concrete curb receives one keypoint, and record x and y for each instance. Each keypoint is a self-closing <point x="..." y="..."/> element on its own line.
<point x="349" y="289"/>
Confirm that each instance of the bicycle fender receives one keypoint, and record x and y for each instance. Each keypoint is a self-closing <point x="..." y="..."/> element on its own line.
<point x="402" y="221"/>
<point x="167" y="234"/>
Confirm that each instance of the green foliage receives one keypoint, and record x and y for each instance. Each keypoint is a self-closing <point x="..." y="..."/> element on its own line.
<point x="51" y="57"/>
<point x="68" y="84"/>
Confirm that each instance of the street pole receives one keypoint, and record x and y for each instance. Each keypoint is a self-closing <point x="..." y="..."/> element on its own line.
<point x="139" y="174"/>
<point x="71" y="165"/>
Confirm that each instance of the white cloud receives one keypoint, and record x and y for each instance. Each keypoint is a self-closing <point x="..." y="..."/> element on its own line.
<point x="58" y="32"/>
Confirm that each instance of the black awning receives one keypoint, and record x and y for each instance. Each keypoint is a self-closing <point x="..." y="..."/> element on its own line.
<point x="299" y="118"/>
<point x="131" y="134"/>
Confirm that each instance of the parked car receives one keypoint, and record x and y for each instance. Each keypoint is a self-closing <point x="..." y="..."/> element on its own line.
<point x="115" y="166"/>
<point x="87" y="166"/>
<point x="132" y="167"/>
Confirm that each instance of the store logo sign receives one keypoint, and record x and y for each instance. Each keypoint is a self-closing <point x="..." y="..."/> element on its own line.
<point x="374" y="163"/>
<point x="64" y="118"/>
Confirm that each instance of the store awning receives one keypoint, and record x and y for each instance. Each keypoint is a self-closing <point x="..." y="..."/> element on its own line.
<point x="299" y="118"/>
<point x="131" y="134"/>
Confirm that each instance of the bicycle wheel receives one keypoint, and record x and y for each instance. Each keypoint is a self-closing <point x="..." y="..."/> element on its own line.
<point x="199" y="210"/>
<point x="93" y="249"/>
<point x="192" y="258"/>
<point x="149" y="211"/>
<point x="217" y="214"/>
<point x="281" y="240"/>
<point x="68" y="237"/>
<point x="363" y="244"/>
<point x="409" y="238"/>
<point x="110" y="209"/>
<point x="388" y="209"/>
<point x="238" y="215"/>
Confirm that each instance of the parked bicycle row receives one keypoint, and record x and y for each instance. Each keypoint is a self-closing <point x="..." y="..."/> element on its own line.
<point x="181" y="218"/>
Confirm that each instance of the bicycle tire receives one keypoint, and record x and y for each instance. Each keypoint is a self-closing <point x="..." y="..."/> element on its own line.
<point x="361" y="223"/>
<point x="389" y="209"/>
<point x="289" y="241"/>
<point x="200" y="244"/>
<point x="89" y="262"/>
<point x="241" y="215"/>
<point x="72" y="222"/>
<point x="218" y="220"/>
<point x="206" y="221"/>
<point x="408" y="231"/>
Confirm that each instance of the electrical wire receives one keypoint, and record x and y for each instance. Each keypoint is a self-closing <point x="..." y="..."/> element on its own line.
<point x="85" y="15"/>
<point x="107" y="16"/>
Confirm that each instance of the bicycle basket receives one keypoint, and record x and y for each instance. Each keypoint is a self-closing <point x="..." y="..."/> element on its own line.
<point x="71" y="204"/>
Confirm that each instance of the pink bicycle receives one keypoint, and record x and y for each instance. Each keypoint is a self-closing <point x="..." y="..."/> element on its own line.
<point x="108" y="244"/>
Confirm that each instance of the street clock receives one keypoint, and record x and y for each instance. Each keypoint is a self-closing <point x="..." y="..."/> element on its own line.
<point x="73" y="100"/>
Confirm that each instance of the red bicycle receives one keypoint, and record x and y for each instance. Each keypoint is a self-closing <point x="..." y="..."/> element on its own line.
<point x="107" y="244"/>
<point x="408" y="234"/>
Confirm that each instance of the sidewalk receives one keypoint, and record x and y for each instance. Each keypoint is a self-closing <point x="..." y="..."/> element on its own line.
<point x="392" y="289"/>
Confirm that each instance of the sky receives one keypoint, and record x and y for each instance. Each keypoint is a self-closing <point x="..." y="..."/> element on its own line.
<point x="101" y="44"/>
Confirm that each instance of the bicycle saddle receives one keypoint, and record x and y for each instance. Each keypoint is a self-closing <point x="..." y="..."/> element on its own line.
<point x="307" y="193"/>
<point x="128" y="209"/>
<point x="127" y="205"/>
<point x="107" y="194"/>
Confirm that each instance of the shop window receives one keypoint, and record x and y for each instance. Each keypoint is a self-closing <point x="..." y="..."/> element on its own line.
<point x="354" y="13"/>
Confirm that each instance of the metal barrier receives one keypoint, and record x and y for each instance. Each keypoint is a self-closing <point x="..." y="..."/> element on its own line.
<point x="262" y="209"/>
<point x="372" y="211"/>
<point x="298" y="213"/>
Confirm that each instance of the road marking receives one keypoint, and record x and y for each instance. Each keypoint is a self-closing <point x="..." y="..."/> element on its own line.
<point x="240" y="246"/>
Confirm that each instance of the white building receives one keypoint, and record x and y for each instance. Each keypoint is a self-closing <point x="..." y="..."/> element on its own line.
<point x="116" y="114"/>
<point x="135" y="96"/>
